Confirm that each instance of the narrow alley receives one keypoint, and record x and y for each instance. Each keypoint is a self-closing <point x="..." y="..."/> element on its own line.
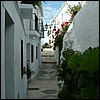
<point x="49" y="49"/>
<point x="44" y="85"/>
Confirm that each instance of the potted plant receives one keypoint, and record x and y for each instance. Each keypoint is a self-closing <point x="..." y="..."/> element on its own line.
<point x="29" y="73"/>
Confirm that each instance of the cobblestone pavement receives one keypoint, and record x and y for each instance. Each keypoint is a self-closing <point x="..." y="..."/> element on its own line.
<point x="48" y="55"/>
<point x="44" y="85"/>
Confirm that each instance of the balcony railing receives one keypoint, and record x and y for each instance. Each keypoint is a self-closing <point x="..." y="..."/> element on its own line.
<point x="41" y="28"/>
<point x="36" y="25"/>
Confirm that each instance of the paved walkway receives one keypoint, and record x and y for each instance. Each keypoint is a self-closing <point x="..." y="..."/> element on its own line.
<point x="45" y="85"/>
<point x="48" y="55"/>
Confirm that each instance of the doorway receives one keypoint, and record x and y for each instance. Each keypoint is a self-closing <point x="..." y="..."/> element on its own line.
<point x="9" y="56"/>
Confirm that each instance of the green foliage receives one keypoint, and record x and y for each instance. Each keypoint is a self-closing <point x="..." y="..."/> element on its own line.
<point x="63" y="67"/>
<point x="88" y="87"/>
<point x="67" y="54"/>
<point x="90" y="61"/>
<point x="73" y="10"/>
<point x="80" y="74"/>
<point x="29" y="72"/>
<point x="63" y="31"/>
<point x="74" y="60"/>
<point x="59" y="39"/>
<point x="89" y="74"/>
<point x="62" y="93"/>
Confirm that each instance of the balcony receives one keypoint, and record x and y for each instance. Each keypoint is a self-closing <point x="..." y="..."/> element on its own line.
<point x="33" y="33"/>
<point x="27" y="11"/>
<point x="36" y="30"/>
<point x="36" y="27"/>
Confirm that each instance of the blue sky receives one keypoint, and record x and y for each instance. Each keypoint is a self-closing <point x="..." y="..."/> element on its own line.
<point x="50" y="8"/>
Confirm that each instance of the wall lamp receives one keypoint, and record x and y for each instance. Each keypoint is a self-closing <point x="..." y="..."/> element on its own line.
<point x="46" y="27"/>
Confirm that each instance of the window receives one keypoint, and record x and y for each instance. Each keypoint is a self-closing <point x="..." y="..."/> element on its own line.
<point x="21" y="58"/>
<point x="36" y="52"/>
<point x="36" y="23"/>
<point x="31" y="53"/>
<point x="62" y="16"/>
<point x="54" y="27"/>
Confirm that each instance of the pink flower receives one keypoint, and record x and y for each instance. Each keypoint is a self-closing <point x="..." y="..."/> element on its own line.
<point x="62" y="25"/>
<point x="54" y="29"/>
<point x="53" y="36"/>
<point x="66" y="23"/>
<point x="57" y="32"/>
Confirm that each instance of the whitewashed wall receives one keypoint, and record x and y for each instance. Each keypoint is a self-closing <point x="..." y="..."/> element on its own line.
<point x="56" y="56"/>
<point x="35" y="65"/>
<point x="85" y="32"/>
<point x="2" y="52"/>
<point x="62" y="16"/>
<point x="19" y="84"/>
<point x="17" y="31"/>
<point x="35" y="41"/>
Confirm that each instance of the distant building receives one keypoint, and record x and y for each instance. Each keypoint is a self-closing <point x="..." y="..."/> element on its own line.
<point x="21" y="33"/>
<point x="60" y="17"/>
<point x="83" y="32"/>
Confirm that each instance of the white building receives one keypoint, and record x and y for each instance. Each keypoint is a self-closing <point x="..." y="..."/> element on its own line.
<point x="21" y="30"/>
<point x="33" y="23"/>
<point x="60" y="17"/>
<point x="84" y="32"/>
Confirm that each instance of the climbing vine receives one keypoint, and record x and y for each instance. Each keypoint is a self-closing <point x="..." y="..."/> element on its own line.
<point x="73" y="10"/>
<point x="59" y="34"/>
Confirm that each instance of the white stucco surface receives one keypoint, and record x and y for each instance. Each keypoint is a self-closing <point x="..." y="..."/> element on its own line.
<point x="18" y="84"/>
<point x="14" y="28"/>
<point x="2" y="54"/>
<point x="85" y="32"/>
<point x="56" y="54"/>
